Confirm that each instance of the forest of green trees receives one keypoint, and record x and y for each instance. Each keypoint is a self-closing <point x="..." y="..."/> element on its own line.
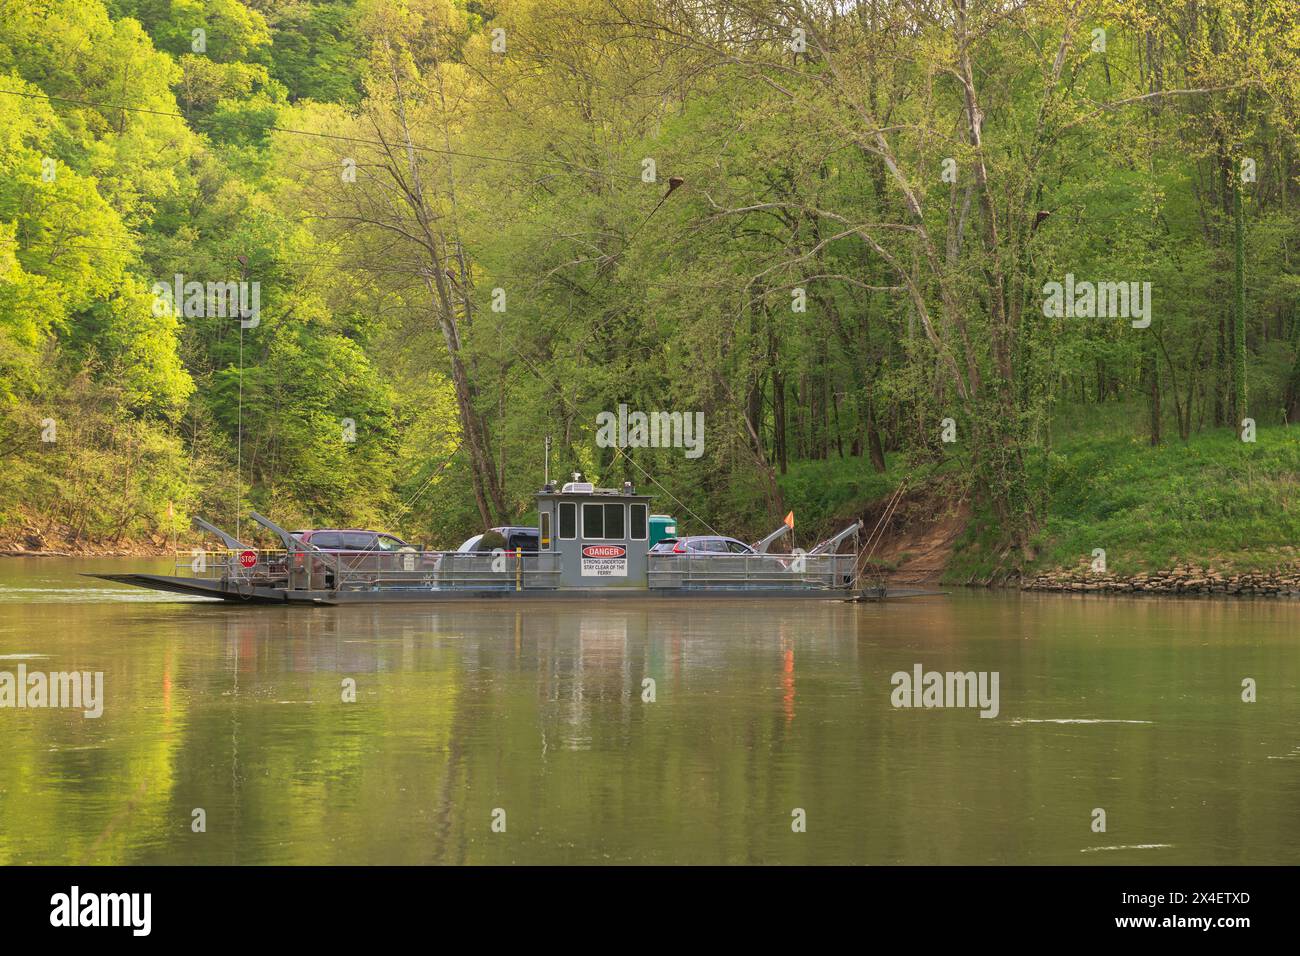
<point x="1032" y="255"/>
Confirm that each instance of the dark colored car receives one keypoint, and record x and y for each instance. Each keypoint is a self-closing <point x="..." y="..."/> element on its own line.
<point x="474" y="562"/>
<point x="516" y="537"/>
<point x="361" y="556"/>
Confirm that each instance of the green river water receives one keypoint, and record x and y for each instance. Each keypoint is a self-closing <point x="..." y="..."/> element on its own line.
<point x="533" y="715"/>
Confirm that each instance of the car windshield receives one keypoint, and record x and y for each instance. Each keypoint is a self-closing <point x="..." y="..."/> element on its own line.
<point x="388" y="543"/>
<point x="471" y="544"/>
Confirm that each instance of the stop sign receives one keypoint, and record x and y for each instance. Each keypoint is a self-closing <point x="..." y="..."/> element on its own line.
<point x="248" y="558"/>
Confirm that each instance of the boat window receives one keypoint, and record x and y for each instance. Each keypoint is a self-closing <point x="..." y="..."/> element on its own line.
<point x="638" y="523"/>
<point x="614" y="515"/>
<point x="593" y="521"/>
<point x="568" y="520"/>
<point x="546" y="529"/>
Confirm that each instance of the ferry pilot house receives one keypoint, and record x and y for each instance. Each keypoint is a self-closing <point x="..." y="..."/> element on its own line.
<point x="601" y="534"/>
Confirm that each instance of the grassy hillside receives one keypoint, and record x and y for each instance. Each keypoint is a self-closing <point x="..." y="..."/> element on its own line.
<point x="1213" y="500"/>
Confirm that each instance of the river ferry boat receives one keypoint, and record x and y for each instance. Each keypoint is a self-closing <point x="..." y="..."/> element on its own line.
<point x="592" y="543"/>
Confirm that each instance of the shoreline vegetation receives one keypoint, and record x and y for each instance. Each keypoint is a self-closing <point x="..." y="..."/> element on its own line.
<point x="1184" y="519"/>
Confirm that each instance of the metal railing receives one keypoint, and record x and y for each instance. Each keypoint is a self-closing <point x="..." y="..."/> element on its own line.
<point x="317" y="570"/>
<point x="222" y="564"/>
<point x="751" y="571"/>
<point x="501" y="571"/>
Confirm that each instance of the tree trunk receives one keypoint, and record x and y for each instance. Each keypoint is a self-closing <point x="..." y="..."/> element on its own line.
<point x="1239" y="299"/>
<point x="778" y="420"/>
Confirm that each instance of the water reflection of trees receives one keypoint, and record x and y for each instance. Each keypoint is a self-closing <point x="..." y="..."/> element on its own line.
<point x="536" y="708"/>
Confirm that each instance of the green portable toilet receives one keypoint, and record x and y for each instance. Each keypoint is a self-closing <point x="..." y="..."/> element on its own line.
<point x="661" y="526"/>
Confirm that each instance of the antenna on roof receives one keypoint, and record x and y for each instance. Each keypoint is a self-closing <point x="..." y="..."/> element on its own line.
<point x="546" y="469"/>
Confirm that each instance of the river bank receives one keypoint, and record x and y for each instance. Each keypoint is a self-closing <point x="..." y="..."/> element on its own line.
<point x="1210" y="515"/>
<point x="31" y="544"/>
<point x="1188" y="579"/>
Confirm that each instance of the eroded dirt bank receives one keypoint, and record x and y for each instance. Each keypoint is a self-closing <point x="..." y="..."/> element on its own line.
<point x="916" y="544"/>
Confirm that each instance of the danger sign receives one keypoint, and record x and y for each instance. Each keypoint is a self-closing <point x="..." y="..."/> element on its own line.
<point x="248" y="558"/>
<point x="604" y="561"/>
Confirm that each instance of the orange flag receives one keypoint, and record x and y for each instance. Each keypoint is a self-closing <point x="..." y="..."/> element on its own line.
<point x="789" y="521"/>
